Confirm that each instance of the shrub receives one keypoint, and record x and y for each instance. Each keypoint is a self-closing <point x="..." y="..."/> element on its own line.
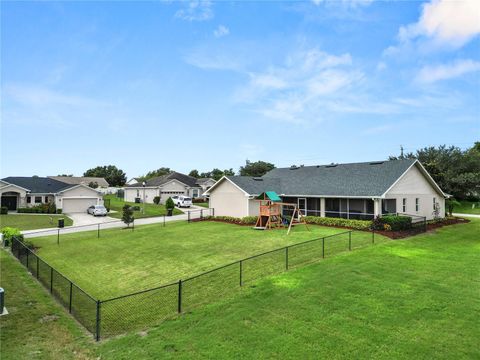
<point x="127" y="216"/>
<point x="397" y="222"/>
<point x="247" y="220"/>
<point x="347" y="223"/>
<point x="49" y="208"/>
<point x="156" y="200"/>
<point x="199" y="200"/>
<point x="169" y="204"/>
<point x="387" y="227"/>
<point x="4" y="210"/>
<point x="451" y="203"/>
<point x="10" y="233"/>
<point x="59" y="211"/>
<point x="135" y="208"/>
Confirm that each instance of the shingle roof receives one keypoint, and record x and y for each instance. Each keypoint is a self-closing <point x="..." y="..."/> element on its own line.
<point x="355" y="179"/>
<point x="85" y="180"/>
<point x="160" y="180"/>
<point x="39" y="185"/>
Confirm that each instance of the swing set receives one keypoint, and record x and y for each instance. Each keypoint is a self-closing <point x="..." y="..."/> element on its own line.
<point x="270" y="214"/>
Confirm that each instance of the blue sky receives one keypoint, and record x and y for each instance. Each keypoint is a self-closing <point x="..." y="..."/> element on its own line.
<point x="198" y="85"/>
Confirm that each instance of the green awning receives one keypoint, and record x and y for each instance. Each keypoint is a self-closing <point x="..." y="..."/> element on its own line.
<point x="269" y="195"/>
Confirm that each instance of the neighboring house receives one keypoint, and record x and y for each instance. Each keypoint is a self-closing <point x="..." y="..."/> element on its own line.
<point x="18" y="192"/>
<point x="84" y="180"/>
<point x="132" y="181"/>
<point x="167" y="186"/>
<point x="355" y="191"/>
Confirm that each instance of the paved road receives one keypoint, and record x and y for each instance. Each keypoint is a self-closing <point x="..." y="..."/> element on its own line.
<point x="467" y="215"/>
<point x="109" y="223"/>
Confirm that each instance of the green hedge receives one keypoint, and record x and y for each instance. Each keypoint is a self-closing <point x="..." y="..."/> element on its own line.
<point x="351" y="224"/>
<point x="247" y="220"/>
<point x="4" y="210"/>
<point x="49" y="208"/>
<point x="397" y="222"/>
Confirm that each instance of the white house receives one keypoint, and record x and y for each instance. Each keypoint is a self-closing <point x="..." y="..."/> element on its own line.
<point x="354" y="191"/>
<point x="167" y="186"/>
<point x="18" y="192"/>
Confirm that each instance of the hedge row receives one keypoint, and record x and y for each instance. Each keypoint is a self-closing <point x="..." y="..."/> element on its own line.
<point x="339" y="222"/>
<point x="247" y="220"/>
<point x="49" y="208"/>
<point x="397" y="222"/>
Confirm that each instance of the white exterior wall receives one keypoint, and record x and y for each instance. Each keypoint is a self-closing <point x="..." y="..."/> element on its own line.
<point x="254" y="208"/>
<point x="131" y="193"/>
<point x="414" y="185"/>
<point x="21" y="200"/>
<point x="172" y="188"/>
<point x="228" y="200"/>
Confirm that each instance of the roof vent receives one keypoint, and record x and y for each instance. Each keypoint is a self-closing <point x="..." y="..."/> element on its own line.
<point x="376" y="163"/>
<point x="331" y="165"/>
<point x="258" y="179"/>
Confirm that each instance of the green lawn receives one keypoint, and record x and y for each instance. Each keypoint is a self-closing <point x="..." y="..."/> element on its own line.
<point x="412" y="298"/>
<point x="466" y="207"/>
<point x="151" y="210"/>
<point x="32" y="221"/>
<point x="204" y="204"/>
<point x="122" y="261"/>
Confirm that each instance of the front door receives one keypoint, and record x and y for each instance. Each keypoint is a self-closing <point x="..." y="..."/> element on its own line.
<point x="302" y="206"/>
<point x="10" y="202"/>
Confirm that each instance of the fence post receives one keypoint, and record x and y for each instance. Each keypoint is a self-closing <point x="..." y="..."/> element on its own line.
<point x="188" y="216"/>
<point x="425" y="223"/>
<point x="350" y="240"/>
<point x="70" y="300"/>
<point x="133" y="224"/>
<point x="98" y="231"/>
<point x="323" y="248"/>
<point x="213" y="212"/>
<point x="37" y="265"/>
<point x="51" y="280"/>
<point x="58" y="237"/>
<point x="201" y="214"/>
<point x="164" y="220"/>
<point x="27" y="259"/>
<point x="286" y="258"/>
<point x="179" y="296"/>
<point x="373" y="235"/>
<point x="241" y="273"/>
<point x="97" y="330"/>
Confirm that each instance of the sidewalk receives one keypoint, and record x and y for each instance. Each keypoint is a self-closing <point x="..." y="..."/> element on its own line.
<point x="195" y="213"/>
<point x="467" y="215"/>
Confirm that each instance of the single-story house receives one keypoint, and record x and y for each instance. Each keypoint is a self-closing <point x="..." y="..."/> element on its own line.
<point x="355" y="191"/>
<point x="18" y="192"/>
<point x="167" y="186"/>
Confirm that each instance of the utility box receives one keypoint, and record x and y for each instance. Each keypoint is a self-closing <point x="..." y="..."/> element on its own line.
<point x="61" y="223"/>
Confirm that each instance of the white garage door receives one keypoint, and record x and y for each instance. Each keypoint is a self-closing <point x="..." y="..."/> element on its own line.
<point x="77" y="205"/>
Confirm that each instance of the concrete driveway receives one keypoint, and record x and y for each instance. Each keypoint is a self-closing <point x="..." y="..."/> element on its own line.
<point x="80" y="219"/>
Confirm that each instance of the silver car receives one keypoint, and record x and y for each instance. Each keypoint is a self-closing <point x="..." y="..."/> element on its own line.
<point x="97" y="210"/>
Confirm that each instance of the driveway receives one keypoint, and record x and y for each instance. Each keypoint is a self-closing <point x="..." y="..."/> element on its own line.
<point x="467" y="215"/>
<point x="80" y="219"/>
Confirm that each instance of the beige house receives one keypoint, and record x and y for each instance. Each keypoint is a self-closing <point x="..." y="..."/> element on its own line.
<point x="167" y="186"/>
<point x="352" y="191"/>
<point x="19" y="192"/>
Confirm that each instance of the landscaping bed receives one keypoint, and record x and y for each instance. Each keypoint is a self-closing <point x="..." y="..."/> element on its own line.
<point x="431" y="225"/>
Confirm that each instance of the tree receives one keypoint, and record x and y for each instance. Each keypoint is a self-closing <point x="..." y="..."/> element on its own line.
<point x="93" y="184"/>
<point x="155" y="173"/>
<point x="169" y="204"/>
<point x="451" y="203"/>
<point x="456" y="171"/>
<point x="127" y="215"/>
<point x="258" y="168"/>
<point x="113" y="175"/>
<point x="194" y="173"/>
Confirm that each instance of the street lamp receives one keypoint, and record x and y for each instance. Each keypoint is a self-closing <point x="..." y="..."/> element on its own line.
<point x="143" y="209"/>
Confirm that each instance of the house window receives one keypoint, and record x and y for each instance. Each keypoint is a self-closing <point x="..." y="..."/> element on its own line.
<point x="46" y="199"/>
<point x="38" y="199"/>
<point x="434" y="202"/>
<point x="417" y="204"/>
<point x="29" y="200"/>
<point x="195" y="193"/>
<point x="404" y="205"/>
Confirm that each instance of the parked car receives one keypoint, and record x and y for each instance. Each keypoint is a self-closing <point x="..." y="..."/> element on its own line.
<point x="97" y="210"/>
<point x="182" y="201"/>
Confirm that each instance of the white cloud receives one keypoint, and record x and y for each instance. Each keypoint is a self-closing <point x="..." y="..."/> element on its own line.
<point x="196" y="10"/>
<point x="445" y="23"/>
<point x="220" y="31"/>
<point x="430" y="74"/>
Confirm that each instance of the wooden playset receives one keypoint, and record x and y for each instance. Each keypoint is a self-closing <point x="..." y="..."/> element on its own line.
<point x="270" y="213"/>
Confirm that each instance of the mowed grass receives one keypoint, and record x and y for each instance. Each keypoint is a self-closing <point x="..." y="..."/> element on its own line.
<point x="36" y="326"/>
<point x="468" y="207"/>
<point x="125" y="261"/>
<point x="151" y="210"/>
<point x="32" y="221"/>
<point x="415" y="298"/>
